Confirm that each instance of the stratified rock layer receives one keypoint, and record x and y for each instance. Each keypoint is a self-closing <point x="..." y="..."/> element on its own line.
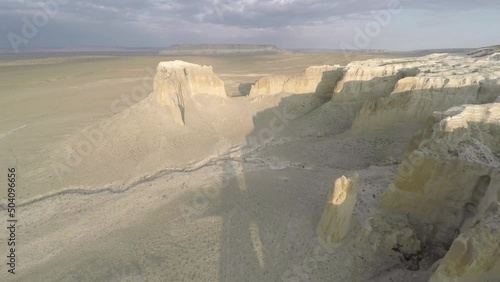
<point x="412" y="89"/>
<point x="176" y="82"/>
<point x="474" y="255"/>
<point x="335" y="223"/>
<point x="453" y="175"/>
<point x="315" y="79"/>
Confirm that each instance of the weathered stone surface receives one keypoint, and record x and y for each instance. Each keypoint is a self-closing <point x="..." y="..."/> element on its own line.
<point x="176" y="82"/>
<point x="368" y="80"/>
<point x="221" y="49"/>
<point x="438" y="83"/>
<point x="315" y="79"/>
<point x="335" y="223"/>
<point x="270" y="85"/>
<point x="475" y="254"/>
<point x="384" y="234"/>
<point x="452" y="175"/>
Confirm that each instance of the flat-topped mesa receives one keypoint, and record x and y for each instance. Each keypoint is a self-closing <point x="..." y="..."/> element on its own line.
<point x="176" y="82"/>
<point x="473" y="256"/>
<point x="335" y="223"/>
<point x="314" y="79"/>
<point x="452" y="175"/>
<point x="221" y="49"/>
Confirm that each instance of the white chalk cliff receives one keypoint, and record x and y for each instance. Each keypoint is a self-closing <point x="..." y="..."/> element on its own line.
<point x="177" y="82"/>
<point x="315" y="79"/>
<point x="449" y="184"/>
<point x="431" y="83"/>
<point x="447" y="190"/>
<point x="474" y="255"/>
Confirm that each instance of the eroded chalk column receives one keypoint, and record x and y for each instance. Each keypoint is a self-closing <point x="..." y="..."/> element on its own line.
<point x="335" y="223"/>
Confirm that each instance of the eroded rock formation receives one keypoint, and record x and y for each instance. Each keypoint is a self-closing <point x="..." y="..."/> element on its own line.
<point x="435" y="83"/>
<point x="335" y="223"/>
<point x="315" y="79"/>
<point x="368" y="80"/>
<point x="475" y="254"/>
<point x="176" y="82"/>
<point x="449" y="185"/>
<point x="453" y="175"/>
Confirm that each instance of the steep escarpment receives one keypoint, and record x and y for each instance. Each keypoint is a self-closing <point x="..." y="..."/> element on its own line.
<point x="442" y="82"/>
<point x="314" y="79"/>
<point x="474" y="255"/>
<point x="335" y="223"/>
<point x="372" y="79"/>
<point x="177" y="82"/>
<point x="449" y="185"/>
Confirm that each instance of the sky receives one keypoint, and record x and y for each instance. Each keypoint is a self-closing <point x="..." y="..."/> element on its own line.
<point x="292" y="24"/>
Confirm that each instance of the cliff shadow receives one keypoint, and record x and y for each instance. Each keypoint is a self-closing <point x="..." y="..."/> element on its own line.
<point x="329" y="80"/>
<point x="244" y="88"/>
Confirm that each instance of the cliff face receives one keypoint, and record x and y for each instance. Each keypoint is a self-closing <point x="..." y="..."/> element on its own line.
<point x="436" y="83"/>
<point x="315" y="79"/>
<point x="270" y="85"/>
<point x="381" y="92"/>
<point x="475" y="254"/>
<point x="371" y="80"/>
<point x="177" y="82"/>
<point x="449" y="184"/>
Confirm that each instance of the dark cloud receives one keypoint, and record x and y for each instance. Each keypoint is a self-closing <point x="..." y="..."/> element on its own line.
<point x="156" y="22"/>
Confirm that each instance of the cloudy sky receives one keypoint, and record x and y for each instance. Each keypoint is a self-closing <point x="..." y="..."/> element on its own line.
<point x="333" y="24"/>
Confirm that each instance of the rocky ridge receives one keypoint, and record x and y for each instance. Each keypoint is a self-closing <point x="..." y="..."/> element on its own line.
<point x="447" y="189"/>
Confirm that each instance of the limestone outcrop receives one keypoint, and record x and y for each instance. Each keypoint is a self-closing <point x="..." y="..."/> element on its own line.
<point x="270" y="85"/>
<point x="494" y="57"/>
<point x="314" y="79"/>
<point x="475" y="254"/>
<point x="450" y="177"/>
<point x="336" y="221"/>
<point x="176" y="82"/>
<point x="439" y="82"/>
<point x="368" y="80"/>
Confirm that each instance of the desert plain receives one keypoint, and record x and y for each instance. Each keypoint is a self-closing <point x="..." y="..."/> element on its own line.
<point x="129" y="169"/>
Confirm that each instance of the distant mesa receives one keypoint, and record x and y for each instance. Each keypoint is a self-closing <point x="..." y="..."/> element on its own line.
<point x="221" y="49"/>
<point x="485" y="51"/>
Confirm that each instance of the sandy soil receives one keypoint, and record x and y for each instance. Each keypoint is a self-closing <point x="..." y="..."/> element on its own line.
<point x="152" y="202"/>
